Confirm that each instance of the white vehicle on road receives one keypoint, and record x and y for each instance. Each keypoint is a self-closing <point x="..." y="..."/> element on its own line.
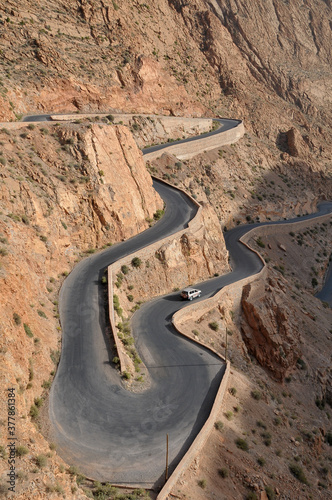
<point x="190" y="293"/>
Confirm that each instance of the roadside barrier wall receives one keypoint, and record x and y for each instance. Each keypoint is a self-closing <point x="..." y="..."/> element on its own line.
<point x="187" y="150"/>
<point x="194" y="225"/>
<point x="294" y="226"/>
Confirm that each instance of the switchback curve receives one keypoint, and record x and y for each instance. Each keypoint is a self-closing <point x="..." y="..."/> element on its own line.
<point x="109" y="433"/>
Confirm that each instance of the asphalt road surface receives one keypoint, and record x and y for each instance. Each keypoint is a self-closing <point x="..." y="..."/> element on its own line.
<point x="109" y="433"/>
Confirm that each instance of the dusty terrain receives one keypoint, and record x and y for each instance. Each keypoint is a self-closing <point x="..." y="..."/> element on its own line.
<point x="268" y="63"/>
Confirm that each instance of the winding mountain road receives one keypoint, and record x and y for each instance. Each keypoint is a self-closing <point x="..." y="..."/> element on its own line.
<point x="111" y="434"/>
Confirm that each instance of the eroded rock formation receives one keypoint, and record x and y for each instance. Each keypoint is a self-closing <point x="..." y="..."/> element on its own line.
<point x="269" y="326"/>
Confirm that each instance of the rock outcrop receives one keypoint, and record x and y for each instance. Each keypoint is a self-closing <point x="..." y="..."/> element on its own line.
<point x="269" y="327"/>
<point x="296" y="144"/>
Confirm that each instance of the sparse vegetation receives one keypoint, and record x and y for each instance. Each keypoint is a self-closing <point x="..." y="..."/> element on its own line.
<point x="298" y="472"/>
<point x="34" y="412"/>
<point x="223" y="472"/>
<point x="256" y="394"/>
<point x="219" y="425"/>
<point x="260" y="243"/>
<point x="136" y="262"/>
<point x="202" y="483"/>
<point x="21" y="450"/>
<point x="242" y="444"/>
<point x="41" y="461"/>
<point x="28" y="330"/>
<point x="17" y="319"/>
<point x="125" y="269"/>
<point x="270" y="492"/>
<point x="158" y="214"/>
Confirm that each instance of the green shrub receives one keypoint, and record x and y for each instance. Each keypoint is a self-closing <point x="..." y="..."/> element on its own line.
<point x="34" y="412"/>
<point x="214" y="326"/>
<point x="218" y="425"/>
<point x="3" y="252"/>
<point x="267" y="438"/>
<point x="41" y="461"/>
<point x="270" y="492"/>
<point x="115" y="360"/>
<point x="229" y="415"/>
<point x="277" y="421"/>
<point x="28" y="330"/>
<point x="126" y="375"/>
<point x="320" y="403"/>
<point x="73" y="471"/>
<point x="158" y="214"/>
<point x="298" y="472"/>
<point x="21" y="451"/>
<point x="202" y="483"/>
<point x="251" y="496"/>
<point x="260" y="461"/>
<point x="328" y="438"/>
<point x="125" y="269"/>
<point x="232" y="391"/>
<point x="17" y="319"/>
<point x="55" y="356"/>
<point x="54" y="488"/>
<point x="242" y="444"/>
<point x="136" y="262"/>
<point x="130" y="298"/>
<point x="223" y="472"/>
<point x="38" y="402"/>
<point x="104" y="280"/>
<point x="256" y="394"/>
<point x="260" y="243"/>
<point x="41" y="314"/>
<point x="103" y="491"/>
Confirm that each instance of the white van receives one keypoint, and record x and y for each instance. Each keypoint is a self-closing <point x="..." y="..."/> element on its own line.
<point x="190" y="293"/>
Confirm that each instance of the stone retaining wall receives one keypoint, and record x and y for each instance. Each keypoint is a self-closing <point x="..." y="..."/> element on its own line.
<point x="200" y="439"/>
<point x="146" y="252"/>
<point x="268" y="228"/>
<point x="187" y="150"/>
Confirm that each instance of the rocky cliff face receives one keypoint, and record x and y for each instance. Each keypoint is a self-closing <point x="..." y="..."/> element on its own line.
<point x="171" y="56"/>
<point x="269" y="327"/>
